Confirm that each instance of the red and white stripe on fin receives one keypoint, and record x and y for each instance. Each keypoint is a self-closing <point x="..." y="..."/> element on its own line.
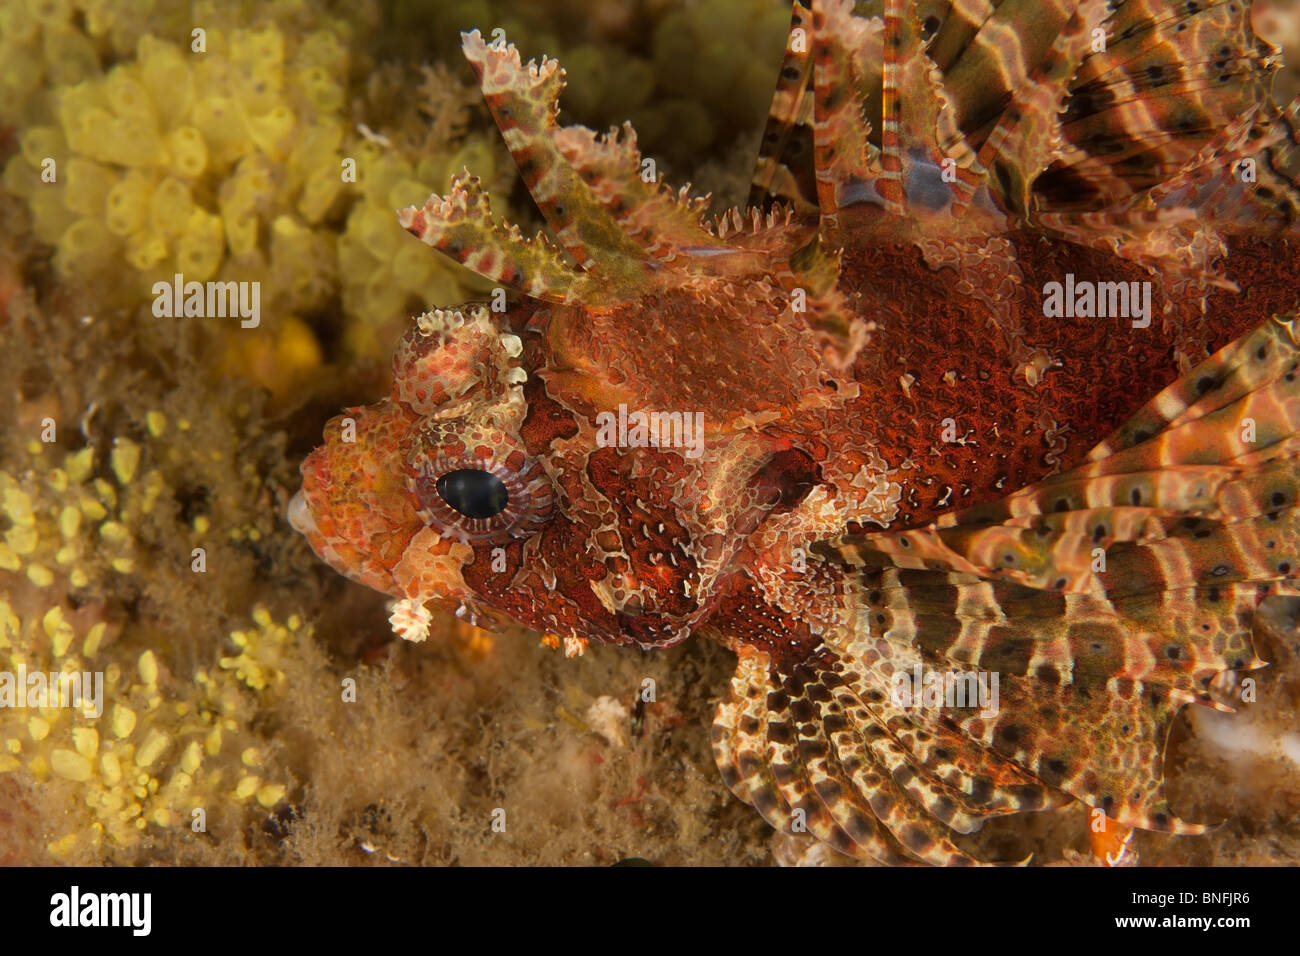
<point x="1027" y="135"/>
<point x="848" y="167"/>
<point x="628" y="233"/>
<point x="524" y="102"/>
<point x="669" y="228"/>
<point x="460" y="225"/>
<point x="784" y="170"/>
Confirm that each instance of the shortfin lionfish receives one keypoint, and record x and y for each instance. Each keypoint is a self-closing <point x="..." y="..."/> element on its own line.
<point x="981" y="234"/>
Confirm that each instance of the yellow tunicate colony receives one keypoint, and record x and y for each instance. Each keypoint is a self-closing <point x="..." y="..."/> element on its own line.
<point x="160" y="745"/>
<point x="141" y="762"/>
<point x="178" y="161"/>
<point x="239" y="162"/>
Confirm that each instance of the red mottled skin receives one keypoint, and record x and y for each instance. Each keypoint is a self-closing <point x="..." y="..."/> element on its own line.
<point x="856" y="369"/>
<point x="733" y="517"/>
<point x="646" y="545"/>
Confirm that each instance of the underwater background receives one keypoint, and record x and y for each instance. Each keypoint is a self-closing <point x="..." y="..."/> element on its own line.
<point x="146" y="461"/>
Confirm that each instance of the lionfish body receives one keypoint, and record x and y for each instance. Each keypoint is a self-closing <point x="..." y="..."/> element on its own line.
<point x="877" y="369"/>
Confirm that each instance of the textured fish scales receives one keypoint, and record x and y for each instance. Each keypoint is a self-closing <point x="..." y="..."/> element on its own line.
<point x="843" y="433"/>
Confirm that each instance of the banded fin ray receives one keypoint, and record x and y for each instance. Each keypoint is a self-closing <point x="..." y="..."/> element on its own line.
<point x="1092" y="670"/>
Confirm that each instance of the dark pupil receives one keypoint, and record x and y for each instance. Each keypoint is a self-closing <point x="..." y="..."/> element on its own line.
<point x="474" y="493"/>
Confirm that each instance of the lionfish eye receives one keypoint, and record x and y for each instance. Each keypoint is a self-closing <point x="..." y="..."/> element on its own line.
<point x="474" y="493"/>
<point x="478" y="484"/>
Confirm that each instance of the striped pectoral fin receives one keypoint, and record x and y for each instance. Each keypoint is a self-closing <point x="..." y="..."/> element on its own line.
<point x="740" y="742"/>
<point x="1179" y="638"/>
<point x="1067" y="708"/>
<point x="1194" y="527"/>
<point x="754" y="747"/>
<point x="822" y="749"/>
<point x="1204" y="445"/>
<point x="1107" y="597"/>
<point x="1264" y="550"/>
<point x="1262" y="368"/>
<point x="840" y="790"/>
<point x="1101" y="742"/>
<point x="939" y="768"/>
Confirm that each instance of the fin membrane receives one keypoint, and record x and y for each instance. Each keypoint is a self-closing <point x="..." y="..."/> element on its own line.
<point x="1102" y="600"/>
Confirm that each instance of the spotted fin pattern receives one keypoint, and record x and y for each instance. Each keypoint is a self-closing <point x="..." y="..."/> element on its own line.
<point x="1191" y="508"/>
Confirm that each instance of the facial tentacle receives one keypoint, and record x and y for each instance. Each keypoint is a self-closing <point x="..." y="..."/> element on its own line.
<point x="460" y="225"/>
